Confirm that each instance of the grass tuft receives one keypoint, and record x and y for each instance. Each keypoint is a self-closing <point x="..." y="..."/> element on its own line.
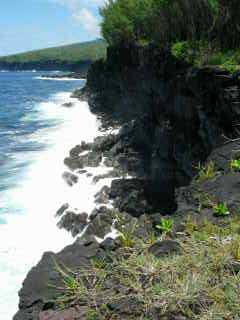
<point x="206" y="288"/>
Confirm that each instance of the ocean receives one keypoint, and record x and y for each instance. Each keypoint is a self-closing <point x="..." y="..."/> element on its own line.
<point x="36" y="133"/>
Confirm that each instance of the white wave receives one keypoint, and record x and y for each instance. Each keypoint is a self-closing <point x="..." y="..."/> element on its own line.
<point x="41" y="192"/>
<point x="59" y="79"/>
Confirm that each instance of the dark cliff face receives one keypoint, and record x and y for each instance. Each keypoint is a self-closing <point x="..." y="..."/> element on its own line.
<point x="179" y="114"/>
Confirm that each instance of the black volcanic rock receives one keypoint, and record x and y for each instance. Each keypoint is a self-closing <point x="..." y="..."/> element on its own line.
<point x="70" y="178"/>
<point x="62" y="209"/>
<point x="75" y="223"/>
<point x="129" y="195"/>
<point x="166" y="247"/>
<point x="77" y="150"/>
<point x="175" y="115"/>
<point x="37" y="293"/>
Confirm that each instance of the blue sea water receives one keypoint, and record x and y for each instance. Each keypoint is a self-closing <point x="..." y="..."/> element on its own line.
<point x="21" y="93"/>
<point x="36" y="133"/>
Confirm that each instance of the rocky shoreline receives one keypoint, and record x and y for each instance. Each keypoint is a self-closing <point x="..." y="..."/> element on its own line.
<point x="160" y="119"/>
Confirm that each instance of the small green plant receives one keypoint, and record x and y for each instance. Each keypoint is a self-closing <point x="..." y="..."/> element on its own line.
<point x="166" y="225"/>
<point x="127" y="240"/>
<point x="92" y="315"/>
<point x="180" y="49"/>
<point x="221" y="209"/>
<point x="206" y="172"/>
<point x="127" y="237"/>
<point x="235" y="164"/>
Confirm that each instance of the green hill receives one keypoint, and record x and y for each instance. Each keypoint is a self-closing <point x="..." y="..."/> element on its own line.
<point x="72" y="57"/>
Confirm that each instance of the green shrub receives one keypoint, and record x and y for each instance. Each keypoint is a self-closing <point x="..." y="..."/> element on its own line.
<point x="221" y="209"/>
<point x="235" y="164"/>
<point x="166" y="225"/>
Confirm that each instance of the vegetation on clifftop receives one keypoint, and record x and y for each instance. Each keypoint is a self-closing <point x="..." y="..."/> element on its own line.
<point x="204" y="31"/>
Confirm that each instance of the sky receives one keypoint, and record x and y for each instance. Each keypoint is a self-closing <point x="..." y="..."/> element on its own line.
<point x="34" y="24"/>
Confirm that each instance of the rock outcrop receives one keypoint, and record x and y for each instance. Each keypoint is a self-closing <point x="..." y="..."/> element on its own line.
<point x="172" y="118"/>
<point x="176" y="115"/>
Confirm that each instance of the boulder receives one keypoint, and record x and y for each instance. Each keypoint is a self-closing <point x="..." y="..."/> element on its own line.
<point x="77" y="150"/>
<point x="62" y="209"/>
<point x="75" y="223"/>
<point x="103" y="195"/>
<point x="40" y="288"/>
<point x="110" y="244"/>
<point x="101" y="222"/>
<point x="68" y="105"/>
<point x="70" y="178"/>
<point x="166" y="247"/>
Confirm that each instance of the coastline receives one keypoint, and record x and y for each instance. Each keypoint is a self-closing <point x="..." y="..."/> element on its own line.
<point x="164" y="128"/>
<point x="44" y="176"/>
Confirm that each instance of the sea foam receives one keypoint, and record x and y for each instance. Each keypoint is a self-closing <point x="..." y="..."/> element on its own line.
<point x="25" y="236"/>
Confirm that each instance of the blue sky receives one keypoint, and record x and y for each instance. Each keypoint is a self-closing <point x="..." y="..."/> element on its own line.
<point x="33" y="24"/>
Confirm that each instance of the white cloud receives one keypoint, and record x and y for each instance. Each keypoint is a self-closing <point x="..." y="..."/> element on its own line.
<point x="84" y="12"/>
<point x="89" y="22"/>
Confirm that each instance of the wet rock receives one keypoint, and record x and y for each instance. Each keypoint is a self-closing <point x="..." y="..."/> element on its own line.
<point x="61" y="210"/>
<point x="74" y="223"/>
<point x="104" y="143"/>
<point x="101" y="222"/>
<point x="92" y="159"/>
<point x="161" y="248"/>
<point x="73" y="163"/>
<point x="82" y="171"/>
<point x="112" y="174"/>
<point x="77" y="150"/>
<point x="68" y="104"/>
<point x="89" y="175"/>
<point x="70" y="178"/>
<point x="103" y="195"/>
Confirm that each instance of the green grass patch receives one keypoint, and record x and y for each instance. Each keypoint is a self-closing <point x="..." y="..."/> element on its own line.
<point x="206" y="288"/>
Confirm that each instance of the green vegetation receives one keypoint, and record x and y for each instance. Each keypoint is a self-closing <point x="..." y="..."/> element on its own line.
<point x="75" y="53"/>
<point x="209" y="290"/>
<point x="235" y="164"/>
<point x="165" y="226"/>
<point x="221" y="210"/>
<point x="206" y="172"/>
<point x="127" y="235"/>
<point x="201" y="53"/>
<point x="202" y="32"/>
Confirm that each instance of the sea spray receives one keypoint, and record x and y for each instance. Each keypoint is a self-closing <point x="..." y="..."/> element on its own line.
<point x="25" y="237"/>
